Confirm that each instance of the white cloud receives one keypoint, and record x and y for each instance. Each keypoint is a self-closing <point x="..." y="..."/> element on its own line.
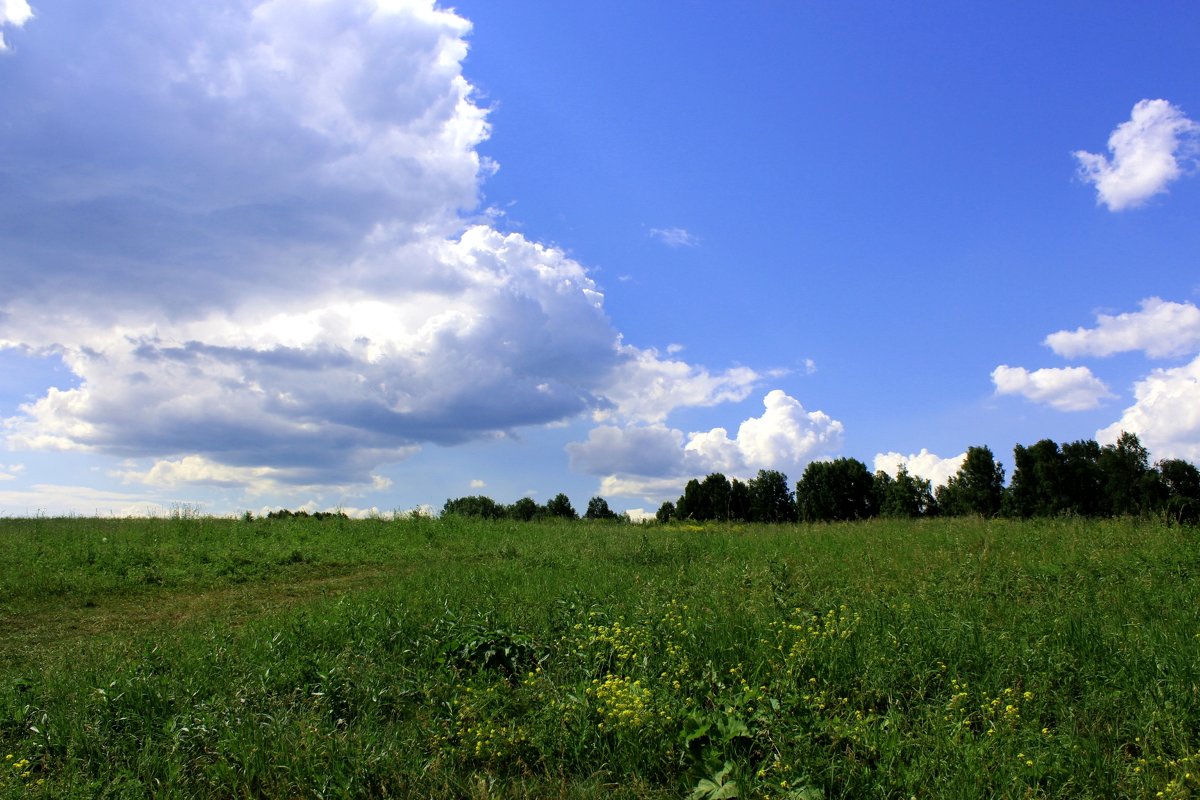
<point x="652" y="461"/>
<point x="786" y="436"/>
<point x="647" y="388"/>
<point x="675" y="237"/>
<point x="649" y="490"/>
<point x="62" y="500"/>
<point x="256" y="262"/>
<point x="1147" y="151"/>
<point x="15" y="13"/>
<point x="478" y="484"/>
<point x="10" y="471"/>
<point x="1165" y="414"/>
<point x="1162" y="329"/>
<point x="931" y="467"/>
<point x="254" y="481"/>
<point x="1066" y="389"/>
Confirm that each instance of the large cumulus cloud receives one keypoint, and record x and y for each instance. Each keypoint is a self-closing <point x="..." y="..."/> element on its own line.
<point x="1165" y="414"/>
<point x="251" y="230"/>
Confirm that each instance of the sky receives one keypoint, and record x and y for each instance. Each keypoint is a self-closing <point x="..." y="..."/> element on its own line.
<point x="373" y="254"/>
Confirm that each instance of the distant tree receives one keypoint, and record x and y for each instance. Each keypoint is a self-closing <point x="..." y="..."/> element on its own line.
<point x="691" y="503"/>
<point x="560" y="506"/>
<point x="1180" y="499"/>
<point x="1125" y="472"/>
<point x="771" y="498"/>
<point x="903" y="496"/>
<point x="1038" y="481"/>
<point x="524" y="509"/>
<point x="740" y="507"/>
<point x="716" y="491"/>
<point x="598" y="509"/>
<point x="1048" y="480"/>
<point x="841" y="489"/>
<point x="283" y="513"/>
<point x="1082" y="484"/>
<point x="881" y="484"/>
<point x="473" y="506"/>
<point x="977" y="487"/>
<point x="666" y="512"/>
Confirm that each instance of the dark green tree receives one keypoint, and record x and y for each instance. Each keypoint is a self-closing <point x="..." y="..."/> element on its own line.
<point x="691" y="503"/>
<point x="1048" y="480"/>
<point x="560" y="506"/>
<point x="841" y="489"/>
<point x="740" y="507"/>
<point x="1038" y="480"/>
<point x="473" y="506"/>
<point x="903" y="496"/>
<point x="1125" y="472"/>
<point x="771" y="498"/>
<point x="1082" y="484"/>
<point x="666" y="512"/>
<point x="524" y="510"/>
<point x="716" y="491"/>
<point x="977" y="487"/>
<point x="598" y="509"/>
<point x="1180" y="483"/>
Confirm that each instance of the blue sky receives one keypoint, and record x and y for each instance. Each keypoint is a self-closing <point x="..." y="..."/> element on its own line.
<point x="372" y="254"/>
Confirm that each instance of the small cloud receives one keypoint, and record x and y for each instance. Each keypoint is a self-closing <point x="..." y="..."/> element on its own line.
<point x="10" y="471"/>
<point x="478" y="484"/>
<point x="675" y="237"/>
<point x="674" y="348"/>
<point x="1161" y="329"/>
<point x="1146" y="153"/>
<point x="810" y="366"/>
<point x="15" y="13"/>
<point x="1066" y="389"/>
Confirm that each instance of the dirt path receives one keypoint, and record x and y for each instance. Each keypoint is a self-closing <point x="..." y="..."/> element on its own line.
<point x="45" y="633"/>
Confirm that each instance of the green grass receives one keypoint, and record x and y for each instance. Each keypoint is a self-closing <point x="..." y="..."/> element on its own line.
<point x="426" y="658"/>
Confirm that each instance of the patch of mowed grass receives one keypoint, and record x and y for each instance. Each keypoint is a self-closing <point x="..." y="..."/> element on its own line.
<point x="950" y="658"/>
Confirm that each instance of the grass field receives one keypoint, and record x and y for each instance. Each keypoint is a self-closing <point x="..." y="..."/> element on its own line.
<point x="450" y="658"/>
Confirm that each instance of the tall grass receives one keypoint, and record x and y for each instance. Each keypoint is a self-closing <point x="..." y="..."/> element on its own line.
<point x="427" y="658"/>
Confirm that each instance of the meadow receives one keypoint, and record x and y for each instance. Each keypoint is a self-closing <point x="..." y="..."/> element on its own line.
<point x="446" y="658"/>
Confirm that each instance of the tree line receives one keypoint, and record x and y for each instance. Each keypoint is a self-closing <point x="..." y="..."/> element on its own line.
<point x="526" y="509"/>
<point x="1079" y="478"/>
<point x="1076" y="478"/>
